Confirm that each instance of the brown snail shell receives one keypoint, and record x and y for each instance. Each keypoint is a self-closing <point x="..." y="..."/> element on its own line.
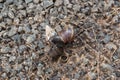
<point x="66" y="35"/>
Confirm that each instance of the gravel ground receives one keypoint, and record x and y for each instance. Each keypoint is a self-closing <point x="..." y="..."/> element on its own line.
<point x="94" y="54"/>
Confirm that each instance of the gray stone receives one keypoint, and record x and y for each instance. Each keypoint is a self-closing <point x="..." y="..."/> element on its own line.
<point x="2" y="24"/>
<point x="1" y="0"/>
<point x="1" y="17"/>
<point x="84" y="10"/>
<point x="69" y="6"/>
<point x="36" y="1"/>
<point x="11" y="14"/>
<point x="35" y="31"/>
<point x="16" y="21"/>
<point x="39" y="72"/>
<point x="18" y="67"/>
<point x="39" y="8"/>
<point x="54" y="12"/>
<point x="58" y="2"/>
<point x="26" y="28"/>
<point x="34" y="55"/>
<point x="108" y="5"/>
<point x="28" y="1"/>
<point x="20" y="6"/>
<point x="20" y="59"/>
<point x="31" y="5"/>
<point x="12" y="58"/>
<point x="92" y="75"/>
<point x="22" y="76"/>
<point x="5" y="13"/>
<point x="118" y="50"/>
<point x="5" y="34"/>
<point x="107" y="39"/>
<point x="5" y="49"/>
<point x="58" y="28"/>
<point x="21" y="48"/>
<point x="47" y="3"/>
<point x="9" y="1"/>
<point x="25" y="36"/>
<point x="117" y="73"/>
<point x="40" y="44"/>
<point x="43" y="25"/>
<point x="23" y="12"/>
<point x="107" y="67"/>
<point x="76" y="7"/>
<point x="31" y="38"/>
<point x="94" y="9"/>
<point x="12" y="31"/>
<point x="48" y="70"/>
<point x="77" y="75"/>
<point x="4" y="75"/>
<point x="20" y="29"/>
<point x="66" y="2"/>
<point x="9" y="21"/>
<point x="1" y="5"/>
<point x="7" y="67"/>
<point x="65" y="10"/>
<point x="111" y="46"/>
<point x="13" y="78"/>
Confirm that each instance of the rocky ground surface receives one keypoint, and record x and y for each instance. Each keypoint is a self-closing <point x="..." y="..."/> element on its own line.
<point x="95" y="51"/>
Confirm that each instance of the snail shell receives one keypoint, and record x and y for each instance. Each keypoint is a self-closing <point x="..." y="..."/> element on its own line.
<point x="63" y="37"/>
<point x="66" y="35"/>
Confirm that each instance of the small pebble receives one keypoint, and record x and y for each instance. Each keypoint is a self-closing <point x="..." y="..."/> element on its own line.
<point x="12" y="58"/>
<point x="16" y="21"/>
<point x="66" y="2"/>
<point x="1" y="5"/>
<point x="76" y="7"/>
<point x="9" y="1"/>
<point x="111" y="46"/>
<point x="58" y="2"/>
<point x="20" y="6"/>
<point x="36" y="1"/>
<point x="92" y="76"/>
<point x="40" y="44"/>
<point x="9" y="21"/>
<point x="106" y="67"/>
<point x="28" y="1"/>
<point x="26" y="28"/>
<point x="58" y="28"/>
<point x="23" y="12"/>
<point x="1" y="17"/>
<point x="31" y="38"/>
<point x="4" y="75"/>
<point x="117" y="73"/>
<point x="2" y="24"/>
<point x="11" y="14"/>
<point x="107" y="39"/>
<point x="5" y="49"/>
<point x="77" y="76"/>
<point x="1" y="0"/>
<point x="22" y="48"/>
<point x="47" y="3"/>
<point x="12" y="31"/>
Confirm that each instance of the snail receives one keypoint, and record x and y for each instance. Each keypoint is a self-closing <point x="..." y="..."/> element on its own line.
<point x="59" y="42"/>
